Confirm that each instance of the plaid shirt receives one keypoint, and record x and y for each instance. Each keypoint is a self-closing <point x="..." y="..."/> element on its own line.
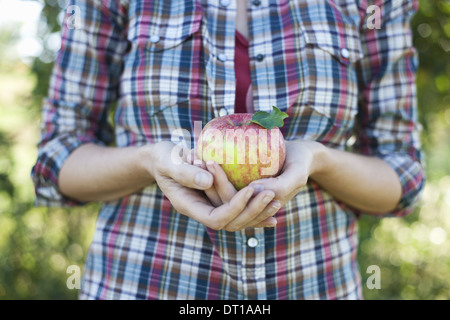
<point x="134" y="71"/>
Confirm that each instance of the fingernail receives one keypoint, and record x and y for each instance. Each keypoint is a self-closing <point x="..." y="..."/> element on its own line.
<point x="258" y="187"/>
<point x="249" y="192"/>
<point x="202" y="179"/>
<point x="267" y="199"/>
<point x="276" y="205"/>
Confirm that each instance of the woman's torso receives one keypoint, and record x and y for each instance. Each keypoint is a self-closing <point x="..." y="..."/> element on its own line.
<point x="179" y="74"/>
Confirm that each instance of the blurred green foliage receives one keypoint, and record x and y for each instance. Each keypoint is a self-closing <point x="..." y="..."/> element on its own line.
<point x="413" y="253"/>
<point x="38" y="244"/>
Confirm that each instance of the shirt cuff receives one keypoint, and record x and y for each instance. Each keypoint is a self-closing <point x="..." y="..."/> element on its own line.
<point x="45" y="172"/>
<point x="412" y="180"/>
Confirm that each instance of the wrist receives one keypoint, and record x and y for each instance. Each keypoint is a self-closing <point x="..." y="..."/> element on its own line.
<point x="320" y="160"/>
<point x="145" y="161"/>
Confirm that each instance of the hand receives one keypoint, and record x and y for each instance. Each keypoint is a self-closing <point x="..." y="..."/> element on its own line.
<point x="181" y="182"/>
<point x="258" y="213"/>
<point x="302" y="161"/>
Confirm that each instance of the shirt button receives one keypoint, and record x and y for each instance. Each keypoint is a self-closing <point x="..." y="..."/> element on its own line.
<point x="222" y="57"/>
<point x="154" y="38"/>
<point x="256" y="3"/>
<point x="345" y="53"/>
<point x="260" y="57"/>
<point x="223" y="112"/>
<point x="252" y="242"/>
<point x="225" y="3"/>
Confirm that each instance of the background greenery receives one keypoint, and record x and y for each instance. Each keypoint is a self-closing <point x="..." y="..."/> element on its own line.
<point x="38" y="244"/>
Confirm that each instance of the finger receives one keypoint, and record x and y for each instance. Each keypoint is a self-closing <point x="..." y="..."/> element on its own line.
<point x="255" y="208"/>
<point x="213" y="196"/>
<point x="187" y="201"/>
<point x="286" y="185"/>
<point x="190" y="176"/>
<point x="267" y="183"/>
<point x="184" y="200"/>
<point x="223" y="186"/>
<point x="186" y="155"/>
<point x="270" y="222"/>
<point x="191" y="203"/>
<point x="195" y="160"/>
<point x="221" y="216"/>
<point x="265" y="218"/>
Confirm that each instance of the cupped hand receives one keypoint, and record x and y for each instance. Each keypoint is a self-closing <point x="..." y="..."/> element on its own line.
<point x="259" y="211"/>
<point x="299" y="165"/>
<point x="183" y="184"/>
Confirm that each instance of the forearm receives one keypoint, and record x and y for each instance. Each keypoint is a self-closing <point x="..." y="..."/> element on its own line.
<point x="97" y="173"/>
<point x="365" y="183"/>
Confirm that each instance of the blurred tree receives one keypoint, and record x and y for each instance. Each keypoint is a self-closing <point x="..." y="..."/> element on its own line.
<point x="411" y="251"/>
<point x="50" y="23"/>
<point x="431" y="29"/>
<point x="36" y="244"/>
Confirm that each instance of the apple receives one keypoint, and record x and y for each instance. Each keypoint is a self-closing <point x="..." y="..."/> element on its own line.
<point x="247" y="146"/>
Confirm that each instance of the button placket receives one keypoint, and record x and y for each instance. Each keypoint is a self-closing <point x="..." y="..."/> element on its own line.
<point x="253" y="263"/>
<point x="219" y="58"/>
<point x="260" y="50"/>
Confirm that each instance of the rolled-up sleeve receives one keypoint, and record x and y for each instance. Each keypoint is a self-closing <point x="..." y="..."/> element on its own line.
<point x="83" y="87"/>
<point x="387" y="121"/>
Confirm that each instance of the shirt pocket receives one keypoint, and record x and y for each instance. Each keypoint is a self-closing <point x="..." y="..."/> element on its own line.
<point x="159" y="68"/>
<point x="169" y="30"/>
<point x="332" y="48"/>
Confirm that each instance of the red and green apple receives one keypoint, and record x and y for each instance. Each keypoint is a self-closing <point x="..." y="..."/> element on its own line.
<point x="248" y="146"/>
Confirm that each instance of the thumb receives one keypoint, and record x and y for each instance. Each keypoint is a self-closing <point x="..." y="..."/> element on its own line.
<point x="191" y="176"/>
<point x="287" y="184"/>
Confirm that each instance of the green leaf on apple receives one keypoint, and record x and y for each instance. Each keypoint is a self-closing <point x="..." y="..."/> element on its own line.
<point x="269" y="120"/>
